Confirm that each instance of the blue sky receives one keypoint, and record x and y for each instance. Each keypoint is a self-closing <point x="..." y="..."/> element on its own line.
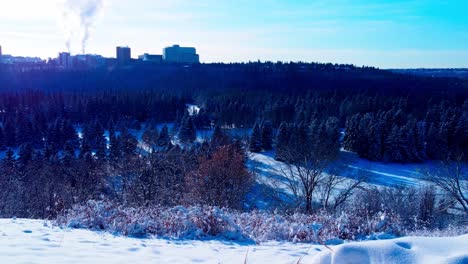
<point x="387" y="34"/>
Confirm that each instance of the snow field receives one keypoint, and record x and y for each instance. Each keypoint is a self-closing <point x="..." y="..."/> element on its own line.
<point x="36" y="241"/>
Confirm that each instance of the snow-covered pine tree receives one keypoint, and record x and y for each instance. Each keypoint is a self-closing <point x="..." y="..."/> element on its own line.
<point x="164" y="140"/>
<point x="187" y="131"/>
<point x="255" y="144"/>
<point x="282" y="142"/>
<point x="150" y="136"/>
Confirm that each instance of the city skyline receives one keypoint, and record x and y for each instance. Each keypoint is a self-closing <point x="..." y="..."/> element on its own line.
<point x="389" y="34"/>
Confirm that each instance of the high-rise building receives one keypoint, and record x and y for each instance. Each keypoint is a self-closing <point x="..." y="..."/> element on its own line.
<point x="124" y="54"/>
<point x="178" y="54"/>
<point x="64" y="59"/>
<point x="0" y="51"/>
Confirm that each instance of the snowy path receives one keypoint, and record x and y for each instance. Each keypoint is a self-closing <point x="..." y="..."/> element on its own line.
<point x="30" y="241"/>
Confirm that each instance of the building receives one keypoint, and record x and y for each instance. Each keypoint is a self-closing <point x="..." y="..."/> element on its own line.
<point x="124" y="55"/>
<point x="178" y="54"/>
<point x="151" y="58"/>
<point x="64" y="59"/>
<point x="9" y="59"/>
<point x="89" y="60"/>
<point x="0" y="51"/>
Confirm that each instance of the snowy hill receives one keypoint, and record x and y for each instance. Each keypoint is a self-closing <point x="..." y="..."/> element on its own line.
<point x="36" y="241"/>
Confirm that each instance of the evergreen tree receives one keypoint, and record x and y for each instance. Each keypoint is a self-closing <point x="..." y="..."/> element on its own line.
<point x="69" y="132"/>
<point x="150" y="136"/>
<point x="331" y="141"/>
<point x="375" y="140"/>
<point x="10" y="133"/>
<point x="187" y="132"/>
<point x="101" y="148"/>
<point x="351" y="137"/>
<point x="113" y="145"/>
<point x="10" y="159"/>
<point x="461" y="134"/>
<point x="85" y="148"/>
<point x="267" y="136"/>
<point x="219" y="137"/>
<point x="2" y="139"/>
<point x="255" y="144"/>
<point x="300" y="142"/>
<point x="68" y="153"/>
<point x="432" y="139"/>
<point x="128" y="144"/>
<point x="25" y="153"/>
<point x="394" y="149"/>
<point x="282" y="142"/>
<point x="164" y="140"/>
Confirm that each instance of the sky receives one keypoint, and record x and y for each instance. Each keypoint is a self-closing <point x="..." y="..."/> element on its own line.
<point x="385" y="34"/>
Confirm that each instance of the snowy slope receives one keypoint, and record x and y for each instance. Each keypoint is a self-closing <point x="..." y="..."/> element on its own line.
<point x="35" y="241"/>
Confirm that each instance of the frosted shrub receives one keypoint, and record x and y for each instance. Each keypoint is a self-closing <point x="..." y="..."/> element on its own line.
<point x="206" y="222"/>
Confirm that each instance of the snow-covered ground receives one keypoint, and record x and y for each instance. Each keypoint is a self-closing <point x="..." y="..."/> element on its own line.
<point x="36" y="241"/>
<point x="429" y="250"/>
<point x="377" y="173"/>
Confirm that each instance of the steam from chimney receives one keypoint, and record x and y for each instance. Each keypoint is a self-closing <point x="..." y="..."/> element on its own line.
<point x="78" y="19"/>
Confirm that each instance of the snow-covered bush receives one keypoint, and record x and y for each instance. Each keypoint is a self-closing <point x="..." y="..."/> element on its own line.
<point x="206" y="222"/>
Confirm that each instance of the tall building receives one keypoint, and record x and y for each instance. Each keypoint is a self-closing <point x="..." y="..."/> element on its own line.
<point x="124" y="54"/>
<point x="0" y="51"/>
<point x="178" y="54"/>
<point x="64" y="59"/>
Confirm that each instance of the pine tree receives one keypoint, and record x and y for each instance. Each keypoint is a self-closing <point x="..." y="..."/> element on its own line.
<point x="114" y="147"/>
<point x="101" y="148"/>
<point x="164" y="140"/>
<point x="461" y="133"/>
<point x="432" y="139"/>
<point x="331" y="141"/>
<point x="68" y="153"/>
<point x="255" y="144"/>
<point x="10" y="133"/>
<point x="150" y="136"/>
<point x="282" y="142"/>
<point x="187" y="131"/>
<point x="375" y="143"/>
<point x="2" y="139"/>
<point x="69" y="132"/>
<point x="350" y="141"/>
<point x="10" y="159"/>
<point x="394" y="148"/>
<point x="85" y="148"/>
<point x="301" y="142"/>
<point x="25" y="153"/>
<point x="127" y="142"/>
<point x="219" y="137"/>
<point x="267" y="136"/>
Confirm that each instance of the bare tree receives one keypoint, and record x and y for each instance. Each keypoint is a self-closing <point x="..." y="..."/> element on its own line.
<point x="451" y="177"/>
<point x="313" y="177"/>
<point x="300" y="178"/>
<point x="335" y="190"/>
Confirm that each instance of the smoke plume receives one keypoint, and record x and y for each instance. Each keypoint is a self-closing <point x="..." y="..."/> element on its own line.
<point x="78" y="19"/>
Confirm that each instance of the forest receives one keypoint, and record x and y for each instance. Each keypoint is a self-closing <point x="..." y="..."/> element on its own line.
<point x="125" y="134"/>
